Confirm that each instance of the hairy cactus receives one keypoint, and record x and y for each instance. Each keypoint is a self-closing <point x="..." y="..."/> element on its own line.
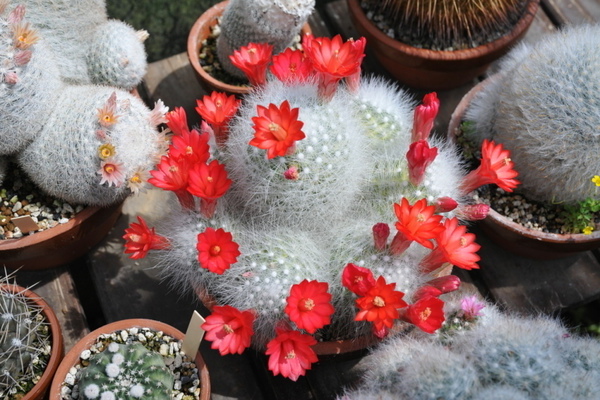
<point x="543" y="105"/>
<point x="449" y="24"/>
<point x="275" y="22"/>
<point x="88" y="47"/>
<point x="496" y="356"/>
<point x="24" y="342"/>
<point x="128" y="372"/>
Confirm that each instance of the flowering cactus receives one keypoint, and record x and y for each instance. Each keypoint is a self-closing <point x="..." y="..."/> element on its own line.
<point x="482" y="353"/>
<point x="259" y="21"/>
<point x="543" y="107"/>
<point x="87" y="46"/>
<point x="267" y="233"/>
<point x="81" y="143"/>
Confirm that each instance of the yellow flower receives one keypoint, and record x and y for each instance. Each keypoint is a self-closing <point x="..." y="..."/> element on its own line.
<point x="106" y="150"/>
<point x="138" y="180"/>
<point x="596" y="180"/>
<point x="588" y="230"/>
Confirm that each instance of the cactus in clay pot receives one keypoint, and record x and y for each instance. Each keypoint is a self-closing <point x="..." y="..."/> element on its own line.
<point x="483" y="353"/>
<point x="87" y="144"/>
<point x="543" y="106"/>
<point x="302" y="206"/>
<point x="87" y="46"/>
<point x="259" y="21"/>
<point x="25" y="344"/>
<point x="128" y="372"/>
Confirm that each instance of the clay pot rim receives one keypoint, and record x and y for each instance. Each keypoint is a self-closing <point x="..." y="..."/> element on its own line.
<point x="209" y="18"/>
<point x="494" y="216"/>
<point x="40" y="388"/>
<point x="447" y="55"/>
<point x="72" y="356"/>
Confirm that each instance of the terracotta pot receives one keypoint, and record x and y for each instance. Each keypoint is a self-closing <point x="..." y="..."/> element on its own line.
<point x="72" y="357"/>
<point x="431" y="69"/>
<point x="199" y="32"/>
<point x="40" y="389"/>
<point x="61" y="244"/>
<point x="346" y="349"/>
<point x="511" y="235"/>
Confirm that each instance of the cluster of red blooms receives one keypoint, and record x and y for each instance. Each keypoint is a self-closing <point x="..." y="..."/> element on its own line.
<point x="187" y="172"/>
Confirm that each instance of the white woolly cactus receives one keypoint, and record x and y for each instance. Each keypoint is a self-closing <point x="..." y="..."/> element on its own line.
<point x="309" y="200"/>
<point x="88" y="47"/>
<point x="544" y="106"/>
<point x="276" y="22"/>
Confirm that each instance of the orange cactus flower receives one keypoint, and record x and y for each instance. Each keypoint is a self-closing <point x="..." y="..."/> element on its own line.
<point x="140" y="239"/>
<point x="229" y="329"/>
<point x="277" y="129"/>
<point x="309" y="305"/>
<point x="216" y="250"/>
<point x="253" y="60"/>
<point x="380" y="305"/>
<point x="290" y="353"/>
<point x="291" y="66"/>
<point x="209" y="182"/>
<point x="172" y="174"/>
<point x="496" y="167"/>
<point x="427" y="314"/>
<point x="424" y="116"/>
<point x="217" y="109"/>
<point x="454" y="246"/>
<point x="192" y="145"/>
<point x="24" y="36"/>
<point x="358" y="280"/>
<point x="417" y="223"/>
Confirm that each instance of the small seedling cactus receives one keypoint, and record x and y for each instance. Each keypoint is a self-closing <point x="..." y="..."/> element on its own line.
<point x="311" y="193"/>
<point x="85" y="144"/>
<point x="25" y="344"/>
<point x="127" y="372"/>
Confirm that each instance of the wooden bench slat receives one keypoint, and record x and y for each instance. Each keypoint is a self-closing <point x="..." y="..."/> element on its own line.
<point x="569" y="12"/>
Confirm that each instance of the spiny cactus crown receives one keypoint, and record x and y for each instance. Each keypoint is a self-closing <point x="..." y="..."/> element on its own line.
<point x="25" y="344"/>
<point x="543" y="105"/>
<point x="128" y="372"/>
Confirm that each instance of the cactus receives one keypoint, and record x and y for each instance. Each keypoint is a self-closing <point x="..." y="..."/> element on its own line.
<point x="88" y="47"/>
<point x="24" y="341"/>
<point x="448" y="24"/>
<point x="85" y="144"/>
<point x="259" y="21"/>
<point x="128" y="372"/>
<point x="543" y="106"/>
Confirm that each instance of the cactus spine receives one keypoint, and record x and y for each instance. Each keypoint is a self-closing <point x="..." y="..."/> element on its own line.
<point x="126" y="372"/>
<point x="260" y="21"/>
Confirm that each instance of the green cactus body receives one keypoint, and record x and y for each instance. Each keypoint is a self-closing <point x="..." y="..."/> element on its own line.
<point x="544" y="107"/>
<point x="126" y="372"/>
<point x="24" y="342"/>
<point x="260" y="21"/>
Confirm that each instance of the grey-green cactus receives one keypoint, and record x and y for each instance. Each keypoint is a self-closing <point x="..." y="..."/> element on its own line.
<point x="544" y="106"/>
<point x="88" y="47"/>
<point x="276" y="22"/>
<point x="127" y="372"/>
<point x="24" y="341"/>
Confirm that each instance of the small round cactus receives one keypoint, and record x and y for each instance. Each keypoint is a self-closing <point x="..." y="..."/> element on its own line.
<point x="128" y="372"/>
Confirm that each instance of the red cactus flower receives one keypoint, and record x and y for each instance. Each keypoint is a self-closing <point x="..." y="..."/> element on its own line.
<point x="216" y="250"/>
<point x="426" y="291"/>
<point x="192" y="145"/>
<point x="253" y="60"/>
<point x="427" y="314"/>
<point x="290" y="353"/>
<point x="445" y="204"/>
<point x="473" y="212"/>
<point x="496" y="167"/>
<point x="209" y="182"/>
<point x="446" y="284"/>
<point x="381" y="232"/>
<point x="417" y="223"/>
<point x="357" y="279"/>
<point x="424" y="117"/>
<point x="140" y="239"/>
<point x="454" y="246"/>
<point x="309" y="305"/>
<point x="419" y="157"/>
<point x="291" y="67"/>
<point x="276" y="129"/>
<point x="380" y="305"/>
<point x="217" y="109"/>
<point x="172" y="174"/>
<point x="229" y="329"/>
<point x="177" y="121"/>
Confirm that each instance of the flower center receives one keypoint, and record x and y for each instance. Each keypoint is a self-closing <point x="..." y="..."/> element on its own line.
<point x="227" y="329"/>
<point x="215" y="250"/>
<point x="109" y="168"/>
<point x="293" y="67"/>
<point x="423" y="315"/>
<point x="378" y="301"/>
<point x="306" y="304"/>
<point x="136" y="179"/>
<point x="420" y="217"/>
<point x="291" y="355"/>
<point x="218" y="103"/>
<point x="189" y="150"/>
<point x="210" y="178"/>
<point x="463" y="241"/>
<point x="173" y="168"/>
